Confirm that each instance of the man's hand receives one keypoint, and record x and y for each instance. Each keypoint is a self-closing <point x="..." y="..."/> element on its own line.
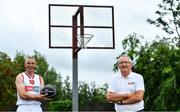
<point x="115" y="97"/>
<point x="111" y="96"/>
<point x="137" y="97"/>
<point x="41" y="97"/>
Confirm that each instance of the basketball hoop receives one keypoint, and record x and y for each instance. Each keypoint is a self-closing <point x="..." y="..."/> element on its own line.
<point x="83" y="40"/>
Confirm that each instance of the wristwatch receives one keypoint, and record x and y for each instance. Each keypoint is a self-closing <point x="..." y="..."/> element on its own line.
<point x="120" y="102"/>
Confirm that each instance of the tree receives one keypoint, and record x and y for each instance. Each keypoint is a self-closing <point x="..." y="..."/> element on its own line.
<point x="7" y="90"/>
<point x="169" y="19"/>
<point x="157" y="64"/>
<point x="92" y="98"/>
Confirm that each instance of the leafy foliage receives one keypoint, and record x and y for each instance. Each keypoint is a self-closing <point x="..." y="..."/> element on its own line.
<point x="92" y="98"/>
<point x="169" y="19"/>
<point x="7" y="76"/>
<point x="64" y="105"/>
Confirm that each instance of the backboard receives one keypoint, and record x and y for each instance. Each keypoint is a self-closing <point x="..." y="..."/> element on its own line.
<point x="68" y="20"/>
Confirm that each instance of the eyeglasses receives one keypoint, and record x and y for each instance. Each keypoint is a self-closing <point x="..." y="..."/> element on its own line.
<point x="125" y="62"/>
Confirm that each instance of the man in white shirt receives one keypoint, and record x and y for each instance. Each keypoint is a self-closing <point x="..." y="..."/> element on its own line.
<point x="126" y="89"/>
<point x="29" y="85"/>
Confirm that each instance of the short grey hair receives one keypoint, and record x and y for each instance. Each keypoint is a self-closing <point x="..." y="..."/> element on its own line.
<point x="125" y="55"/>
<point x="29" y="57"/>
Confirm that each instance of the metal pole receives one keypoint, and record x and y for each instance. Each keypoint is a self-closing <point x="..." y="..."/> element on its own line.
<point x="75" y="85"/>
<point x="75" y="50"/>
<point x="75" y="66"/>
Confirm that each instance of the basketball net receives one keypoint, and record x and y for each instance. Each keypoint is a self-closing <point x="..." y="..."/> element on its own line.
<point x="84" y="39"/>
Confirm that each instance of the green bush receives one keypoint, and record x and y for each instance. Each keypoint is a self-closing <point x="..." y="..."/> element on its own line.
<point x="63" y="105"/>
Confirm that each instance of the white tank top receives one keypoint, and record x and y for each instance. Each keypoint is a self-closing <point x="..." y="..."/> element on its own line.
<point x="32" y="86"/>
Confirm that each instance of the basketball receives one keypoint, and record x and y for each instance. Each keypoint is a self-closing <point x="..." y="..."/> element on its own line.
<point x="49" y="90"/>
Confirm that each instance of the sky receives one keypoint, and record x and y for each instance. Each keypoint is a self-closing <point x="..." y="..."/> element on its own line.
<point x="24" y="27"/>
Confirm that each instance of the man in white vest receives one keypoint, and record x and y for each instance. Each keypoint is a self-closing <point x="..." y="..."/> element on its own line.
<point x="29" y="85"/>
<point x="126" y="89"/>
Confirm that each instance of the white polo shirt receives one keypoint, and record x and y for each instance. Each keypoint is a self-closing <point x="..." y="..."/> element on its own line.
<point x="122" y="85"/>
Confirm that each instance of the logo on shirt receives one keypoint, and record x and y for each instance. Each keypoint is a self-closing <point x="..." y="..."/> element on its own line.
<point x="131" y="83"/>
<point x="32" y="88"/>
<point x="31" y="82"/>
